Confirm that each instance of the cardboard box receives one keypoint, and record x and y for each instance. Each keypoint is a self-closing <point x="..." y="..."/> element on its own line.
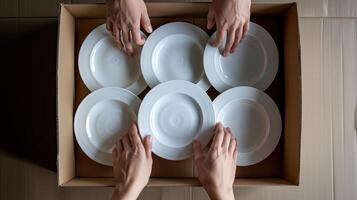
<point x="282" y="167"/>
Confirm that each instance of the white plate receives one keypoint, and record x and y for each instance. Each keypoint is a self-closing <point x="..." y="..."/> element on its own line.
<point x="254" y="63"/>
<point x="254" y="119"/>
<point x="102" y="117"/>
<point x="174" y="51"/>
<point x="102" y="64"/>
<point x="175" y="113"/>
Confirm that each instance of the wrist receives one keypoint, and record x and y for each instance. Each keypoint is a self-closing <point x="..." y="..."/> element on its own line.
<point x="128" y="192"/>
<point x="220" y="193"/>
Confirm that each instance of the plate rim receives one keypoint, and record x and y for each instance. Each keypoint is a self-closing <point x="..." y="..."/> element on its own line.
<point x="98" y="33"/>
<point x="149" y="46"/>
<point x="83" y="109"/>
<point x="267" y="77"/>
<point x="204" y="136"/>
<point x="274" y="136"/>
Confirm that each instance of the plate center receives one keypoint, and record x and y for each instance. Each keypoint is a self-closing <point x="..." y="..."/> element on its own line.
<point x="106" y="121"/>
<point x="246" y="65"/>
<point x="249" y="123"/>
<point x="176" y="119"/>
<point x="112" y="67"/>
<point x="178" y="57"/>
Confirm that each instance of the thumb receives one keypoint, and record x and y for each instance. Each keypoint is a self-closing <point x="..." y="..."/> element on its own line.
<point x="145" y="22"/>
<point x="197" y="150"/>
<point x="148" y="145"/>
<point x="210" y="19"/>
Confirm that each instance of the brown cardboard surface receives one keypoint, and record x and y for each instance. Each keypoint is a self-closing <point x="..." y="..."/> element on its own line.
<point x="272" y="17"/>
<point x="65" y="97"/>
<point x="170" y="182"/>
<point x="292" y="80"/>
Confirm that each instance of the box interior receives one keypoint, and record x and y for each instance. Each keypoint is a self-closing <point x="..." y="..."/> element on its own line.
<point x="280" y="168"/>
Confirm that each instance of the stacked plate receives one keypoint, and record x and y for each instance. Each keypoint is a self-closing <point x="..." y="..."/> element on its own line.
<point x="177" y="61"/>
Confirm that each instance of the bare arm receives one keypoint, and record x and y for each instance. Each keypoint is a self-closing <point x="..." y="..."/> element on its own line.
<point x="132" y="165"/>
<point x="217" y="167"/>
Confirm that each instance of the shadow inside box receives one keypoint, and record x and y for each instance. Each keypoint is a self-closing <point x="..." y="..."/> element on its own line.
<point x="29" y="81"/>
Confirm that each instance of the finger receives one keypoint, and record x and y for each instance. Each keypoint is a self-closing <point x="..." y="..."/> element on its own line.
<point x="245" y="29"/>
<point x="219" y="36"/>
<point x="126" y="143"/>
<point x="226" y="140"/>
<point x="117" y="36"/>
<point x="134" y="136"/>
<point x="238" y="38"/>
<point x="138" y="40"/>
<point x="235" y="154"/>
<point x="148" y="145"/>
<point x="128" y="48"/>
<point x="229" y="41"/>
<point x="145" y="22"/>
<point x="109" y="25"/>
<point x="197" y="150"/>
<point x="232" y="146"/>
<point x="119" y="147"/>
<point x="219" y="135"/>
<point x="210" y="19"/>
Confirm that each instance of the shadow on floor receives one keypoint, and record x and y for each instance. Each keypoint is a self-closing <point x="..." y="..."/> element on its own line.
<point x="28" y="61"/>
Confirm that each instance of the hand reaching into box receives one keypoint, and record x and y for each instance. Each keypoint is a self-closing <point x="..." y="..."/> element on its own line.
<point x="217" y="167"/>
<point x="231" y="18"/>
<point x="124" y="18"/>
<point x="132" y="163"/>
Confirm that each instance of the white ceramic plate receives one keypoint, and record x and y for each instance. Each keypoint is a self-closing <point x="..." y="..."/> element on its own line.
<point x="174" y="51"/>
<point x="254" y="63"/>
<point x="175" y="113"/>
<point x="254" y="119"/>
<point x="102" y="117"/>
<point x="102" y="64"/>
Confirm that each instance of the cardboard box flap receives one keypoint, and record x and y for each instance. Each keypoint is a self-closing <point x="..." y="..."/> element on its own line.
<point x="65" y="97"/>
<point x="173" y="9"/>
<point x="292" y="89"/>
<point x="169" y="182"/>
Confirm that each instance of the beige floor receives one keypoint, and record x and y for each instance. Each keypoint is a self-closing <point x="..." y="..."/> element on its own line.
<point x="329" y="122"/>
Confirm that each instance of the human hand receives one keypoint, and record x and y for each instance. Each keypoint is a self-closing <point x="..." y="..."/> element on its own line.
<point x="123" y="21"/>
<point x="217" y="167"/>
<point x="132" y="164"/>
<point x="231" y="16"/>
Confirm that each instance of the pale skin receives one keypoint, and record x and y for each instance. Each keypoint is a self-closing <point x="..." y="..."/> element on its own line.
<point x="125" y="17"/>
<point x="216" y="166"/>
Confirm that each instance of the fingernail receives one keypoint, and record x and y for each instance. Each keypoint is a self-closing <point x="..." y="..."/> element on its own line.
<point x="149" y="138"/>
<point x="150" y="29"/>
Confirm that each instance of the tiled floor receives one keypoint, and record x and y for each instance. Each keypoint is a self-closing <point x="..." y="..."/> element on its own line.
<point x="329" y="122"/>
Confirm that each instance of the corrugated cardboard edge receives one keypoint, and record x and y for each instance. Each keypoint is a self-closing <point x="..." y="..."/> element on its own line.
<point x="179" y="182"/>
<point x="61" y="163"/>
<point x="292" y="173"/>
